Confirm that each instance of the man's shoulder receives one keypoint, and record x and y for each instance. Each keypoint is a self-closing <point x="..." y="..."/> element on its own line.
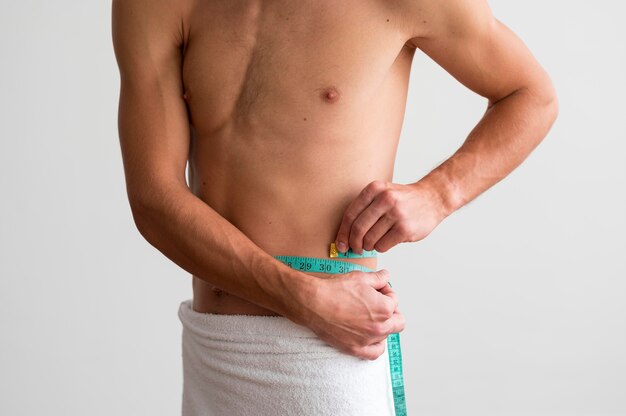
<point x="150" y="18"/>
<point x="436" y="18"/>
<point x="147" y="29"/>
<point x="148" y="36"/>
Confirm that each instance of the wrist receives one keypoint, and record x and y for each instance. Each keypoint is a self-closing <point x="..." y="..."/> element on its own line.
<point x="299" y="292"/>
<point x="306" y="295"/>
<point x="443" y="192"/>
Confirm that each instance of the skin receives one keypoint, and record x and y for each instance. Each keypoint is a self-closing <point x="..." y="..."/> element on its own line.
<point x="289" y="115"/>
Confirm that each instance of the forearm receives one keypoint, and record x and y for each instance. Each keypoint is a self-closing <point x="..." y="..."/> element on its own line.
<point x="507" y="133"/>
<point x="194" y="236"/>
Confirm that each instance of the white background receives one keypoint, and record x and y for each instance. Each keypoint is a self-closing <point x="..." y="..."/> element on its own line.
<point x="515" y="304"/>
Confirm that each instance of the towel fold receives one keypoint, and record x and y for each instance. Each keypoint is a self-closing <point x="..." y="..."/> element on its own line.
<point x="253" y="365"/>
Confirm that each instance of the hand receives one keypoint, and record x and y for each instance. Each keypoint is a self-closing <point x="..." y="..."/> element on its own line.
<point x="385" y="214"/>
<point x="355" y="312"/>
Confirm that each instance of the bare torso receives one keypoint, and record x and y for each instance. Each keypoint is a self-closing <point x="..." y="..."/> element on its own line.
<point x="294" y="108"/>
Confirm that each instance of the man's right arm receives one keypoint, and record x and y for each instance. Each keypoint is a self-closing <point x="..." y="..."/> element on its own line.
<point x="154" y="138"/>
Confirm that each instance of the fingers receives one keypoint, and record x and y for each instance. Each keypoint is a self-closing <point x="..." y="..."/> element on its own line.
<point x="371" y="223"/>
<point x="389" y="292"/>
<point x="372" y="351"/>
<point x="373" y="235"/>
<point x="378" y="279"/>
<point x="397" y="322"/>
<point x="393" y="237"/>
<point x="394" y="325"/>
<point x="381" y="317"/>
<point x="354" y="210"/>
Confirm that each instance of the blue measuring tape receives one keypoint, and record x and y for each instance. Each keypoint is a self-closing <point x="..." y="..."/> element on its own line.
<point x="322" y="265"/>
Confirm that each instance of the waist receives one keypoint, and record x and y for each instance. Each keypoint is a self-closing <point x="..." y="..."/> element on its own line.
<point x="312" y="261"/>
<point x="338" y="263"/>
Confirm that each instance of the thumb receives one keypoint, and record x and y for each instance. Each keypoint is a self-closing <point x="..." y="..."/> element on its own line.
<point x="379" y="278"/>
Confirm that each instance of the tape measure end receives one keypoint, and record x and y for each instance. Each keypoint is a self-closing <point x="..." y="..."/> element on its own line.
<point x="333" y="250"/>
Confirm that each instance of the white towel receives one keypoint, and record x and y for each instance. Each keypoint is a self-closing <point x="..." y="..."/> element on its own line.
<point x="253" y="365"/>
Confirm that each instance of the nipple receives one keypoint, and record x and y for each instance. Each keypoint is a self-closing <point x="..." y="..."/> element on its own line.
<point x="330" y="94"/>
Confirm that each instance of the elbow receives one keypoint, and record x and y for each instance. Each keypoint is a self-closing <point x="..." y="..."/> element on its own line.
<point x="143" y="204"/>
<point x="543" y="98"/>
<point x="549" y="98"/>
<point x="140" y="215"/>
<point x="142" y="199"/>
<point x="548" y="108"/>
<point x="551" y="108"/>
<point x="155" y="204"/>
<point x="554" y="105"/>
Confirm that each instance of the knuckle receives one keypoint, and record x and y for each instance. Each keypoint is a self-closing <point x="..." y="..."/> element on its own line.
<point x="357" y="227"/>
<point x="397" y="212"/>
<point x="388" y="196"/>
<point x="394" y="301"/>
<point x="369" y="190"/>
<point x="377" y="184"/>
<point x="374" y="187"/>
<point x="348" y="217"/>
<point x="378" y="329"/>
<point x="389" y="308"/>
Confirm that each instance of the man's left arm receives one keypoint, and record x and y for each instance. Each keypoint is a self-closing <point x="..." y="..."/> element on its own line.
<point x="466" y="40"/>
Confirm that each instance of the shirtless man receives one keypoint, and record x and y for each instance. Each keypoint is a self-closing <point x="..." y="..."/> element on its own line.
<point x="289" y="114"/>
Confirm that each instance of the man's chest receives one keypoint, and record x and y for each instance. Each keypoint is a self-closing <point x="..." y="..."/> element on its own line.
<point x="240" y="56"/>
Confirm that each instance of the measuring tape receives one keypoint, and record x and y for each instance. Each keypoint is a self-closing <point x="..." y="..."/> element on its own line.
<point x="349" y="253"/>
<point x="321" y="265"/>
